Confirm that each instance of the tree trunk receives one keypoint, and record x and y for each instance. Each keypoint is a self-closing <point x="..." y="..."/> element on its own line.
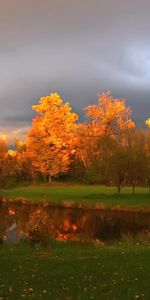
<point x="133" y="188"/>
<point x="148" y="183"/>
<point x="49" y="179"/>
<point x="119" y="188"/>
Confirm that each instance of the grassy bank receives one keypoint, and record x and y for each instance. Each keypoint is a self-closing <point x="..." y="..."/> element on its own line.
<point x="82" y="194"/>
<point x="70" y="272"/>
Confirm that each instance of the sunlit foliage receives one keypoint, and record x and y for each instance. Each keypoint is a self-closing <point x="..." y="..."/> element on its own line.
<point x="109" y="116"/>
<point x="147" y="122"/>
<point x="51" y="142"/>
<point x="106" y="148"/>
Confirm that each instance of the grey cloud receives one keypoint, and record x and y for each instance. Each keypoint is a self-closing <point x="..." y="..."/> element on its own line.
<point x="76" y="48"/>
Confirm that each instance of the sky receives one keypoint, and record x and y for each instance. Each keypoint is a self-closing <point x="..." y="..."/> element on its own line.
<point x="75" y="48"/>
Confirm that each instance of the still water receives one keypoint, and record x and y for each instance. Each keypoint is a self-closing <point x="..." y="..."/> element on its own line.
<point x="38" y="222"/>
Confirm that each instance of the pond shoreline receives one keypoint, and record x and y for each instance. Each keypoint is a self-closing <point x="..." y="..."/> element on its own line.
<point x="39" y="221"/>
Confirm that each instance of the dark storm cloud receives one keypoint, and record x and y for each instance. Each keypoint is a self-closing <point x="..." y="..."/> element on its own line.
<point x="77" y="48"/>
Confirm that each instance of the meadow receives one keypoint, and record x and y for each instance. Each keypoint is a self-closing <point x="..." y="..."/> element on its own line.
<point x="85" y="194"/>
<point x="72" y="271"/>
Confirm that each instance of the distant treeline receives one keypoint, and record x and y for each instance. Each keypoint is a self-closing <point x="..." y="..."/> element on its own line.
<point x="106" y="148"/>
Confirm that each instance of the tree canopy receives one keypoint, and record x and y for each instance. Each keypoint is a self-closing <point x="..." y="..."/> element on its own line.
<point x="51" y="141"/>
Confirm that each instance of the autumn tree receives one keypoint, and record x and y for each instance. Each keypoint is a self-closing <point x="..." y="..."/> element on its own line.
<point x="118" y="166"/>
<point x="147" y="122"/>
<point x="110" y="117"/>
<point x="51" y="141"/>
<point x="3" y="145"/>
<point x="86" y="150"/>
<point x="90" y="153"/>
<point x="7" y="162"/>
<point x="3" y="152"/>
<point x="137" y="159"/>
<point x="105" y="126"/>
<point x="24" y="169"/>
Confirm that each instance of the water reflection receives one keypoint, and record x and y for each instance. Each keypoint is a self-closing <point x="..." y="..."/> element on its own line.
<point x="38" y="222"/>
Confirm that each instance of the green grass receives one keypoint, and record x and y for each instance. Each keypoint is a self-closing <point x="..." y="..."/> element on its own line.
<point x="66" y="271"/>
<point x="81" y="194"/>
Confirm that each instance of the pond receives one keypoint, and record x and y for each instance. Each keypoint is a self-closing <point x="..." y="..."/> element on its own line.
<point x="38" y="222"/>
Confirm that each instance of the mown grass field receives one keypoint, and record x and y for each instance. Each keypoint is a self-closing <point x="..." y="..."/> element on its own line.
<point x="65" y="271"/>
<point x="82" y="194"/>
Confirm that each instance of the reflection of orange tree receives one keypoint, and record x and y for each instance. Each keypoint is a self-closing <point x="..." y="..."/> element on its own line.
<point x="11" y="211"/>
<point x="3" y="222"/>
<point x="39" y="227"/>
<point x="51" y="142"/>
<point x="67" y="230"/>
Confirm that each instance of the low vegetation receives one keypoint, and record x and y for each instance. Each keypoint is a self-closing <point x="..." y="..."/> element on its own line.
<point x="74" y="271"/>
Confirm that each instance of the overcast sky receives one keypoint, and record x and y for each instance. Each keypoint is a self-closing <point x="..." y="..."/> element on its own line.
<point x="76" y="48"/>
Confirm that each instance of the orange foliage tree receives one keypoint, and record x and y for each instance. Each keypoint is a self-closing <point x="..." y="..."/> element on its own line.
<point x="147" y="122"/>
<point x="107" y="124"/>
<point x="24" y="170"/>
<point x="7" y="161"/>
<point x="51" y="141"/>
<point x="110" y="116"/>
<point x="3" y="152"/>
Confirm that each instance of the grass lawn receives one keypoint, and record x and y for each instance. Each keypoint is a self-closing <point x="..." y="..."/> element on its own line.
<point x="68" y="271"/>
<point x="85" y="194"/>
